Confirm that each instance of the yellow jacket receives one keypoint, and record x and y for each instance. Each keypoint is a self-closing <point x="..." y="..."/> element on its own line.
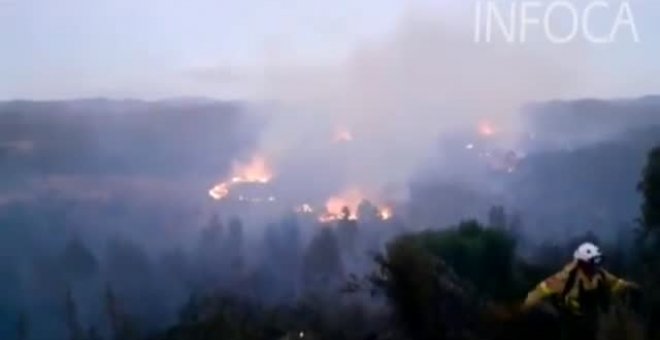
<point x="571" y="283"/>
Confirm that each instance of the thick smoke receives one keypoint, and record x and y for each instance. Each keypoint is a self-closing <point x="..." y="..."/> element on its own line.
<point x="400" y="92"/>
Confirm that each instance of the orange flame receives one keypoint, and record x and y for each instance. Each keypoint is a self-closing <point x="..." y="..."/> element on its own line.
<point x="385" y="213"/>
<point x="256" y="171"/>
<point x="219" y="191"/>
<point x="486" y="129"/>
<point x="351" y="199"/>
<point x="342" y="135"/>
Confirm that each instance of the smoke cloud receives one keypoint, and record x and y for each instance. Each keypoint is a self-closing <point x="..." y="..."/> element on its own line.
<point x="398" y="93"/>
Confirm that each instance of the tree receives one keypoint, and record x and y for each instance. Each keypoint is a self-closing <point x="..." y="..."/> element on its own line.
<point x="234" y="245"/>
<point x="278" y="276"/>
<point x="22" y="326"/>
<point x="210" y="252"/>
<point x="649" y="187"/>
<point x="368" y="212"/>
<point x="428" y="299"/>
<point x="347" y="233"/>
<point x="72" y="321"/>
<point x="213" y="233"/>
<point x="79" y="262"/>
<point x="497" y="217"/>
<point x="475" y="253"/>
<point x="322" y="264"/>
<point x="121" y="326"/>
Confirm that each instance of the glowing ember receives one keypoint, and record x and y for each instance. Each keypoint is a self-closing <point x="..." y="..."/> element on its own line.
<point x="486" y="129"/>
<point x="219" y="191"/>
<point x="345" y="206"/>
<point x="257" y="171"/>
<point x="335" y="205"/>
<point x="327" y="218"/>
<point x="342" y="135"/>
<point x="385" y="213"/>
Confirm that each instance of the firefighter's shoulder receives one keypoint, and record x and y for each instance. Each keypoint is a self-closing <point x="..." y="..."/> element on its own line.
<point x="556" y="282"/>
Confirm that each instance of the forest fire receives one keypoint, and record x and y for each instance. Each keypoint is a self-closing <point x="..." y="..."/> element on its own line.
<point x="486" y="129"/>
<point x="385" y="213"/>
<point x="256" y="171"/>
<point x="342" y="135"/>
<point x="346" y="206"/>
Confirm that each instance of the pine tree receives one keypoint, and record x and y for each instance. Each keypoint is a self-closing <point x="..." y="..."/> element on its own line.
<point x="72" y="321"/>
<point x="23" y="326"/>
<point x="649" y="187"/>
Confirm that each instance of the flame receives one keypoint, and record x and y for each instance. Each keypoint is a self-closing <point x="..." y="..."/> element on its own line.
<point x="350" y="199"/>
<point x="327" y="218"/>
<point x="342" y="135"/>
<point x="335" y="205"/>
<point x="219" y="191"/>
<point x="256" y="171"/>
<point x="486" y="129"/>
<point x="385" y="213"/>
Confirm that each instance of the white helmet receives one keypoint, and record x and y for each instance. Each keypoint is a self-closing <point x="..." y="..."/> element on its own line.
<point x="588" y="252"/>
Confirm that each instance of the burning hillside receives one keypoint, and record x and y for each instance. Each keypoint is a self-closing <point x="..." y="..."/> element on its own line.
<point x="486" y="128"/>
<point x="256" y="171"/>
<point x="347" y="206"/>
<point x="248" y="179"/>
<point x="342" y="135"/>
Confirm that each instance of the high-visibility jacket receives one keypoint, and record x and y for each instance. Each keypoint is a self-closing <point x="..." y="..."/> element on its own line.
<point x="575" y="291"/>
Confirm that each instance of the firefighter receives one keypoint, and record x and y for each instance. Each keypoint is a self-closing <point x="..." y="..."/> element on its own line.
<point x="580" y="291"/>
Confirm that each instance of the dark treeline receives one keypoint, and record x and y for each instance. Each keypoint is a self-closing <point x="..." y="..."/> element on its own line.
<point x="99" y="137"/>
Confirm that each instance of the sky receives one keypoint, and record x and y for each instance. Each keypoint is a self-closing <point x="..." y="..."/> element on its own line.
<point x="233" y="49"/>
<point x="153" y="48"/>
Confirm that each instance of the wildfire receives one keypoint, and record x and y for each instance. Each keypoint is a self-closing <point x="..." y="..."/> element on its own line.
<point x="385" y="213"/>
<point x="219" y="191"/>
<point x="335" y="206"/>
<point x="256" y="171"/>
<point x="346" y="206"/>
<point x="486" y="129"/>
<point x="342" y="135"/>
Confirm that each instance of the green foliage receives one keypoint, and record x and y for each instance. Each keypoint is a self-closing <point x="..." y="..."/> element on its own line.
<point x="650" y="190"/>
<point x="122" y="326"/>
<point x="22" y="326"/>
<point x="649" y="252"/>
<point x="483" y="256"/>
<point x="407" y="278"/>
<point x="429" y="300"/>
<point x="322" y="262"/>
<point x="78" y="261"/>
<point x="214" y="318"/>
<point x="223" y="317"/>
